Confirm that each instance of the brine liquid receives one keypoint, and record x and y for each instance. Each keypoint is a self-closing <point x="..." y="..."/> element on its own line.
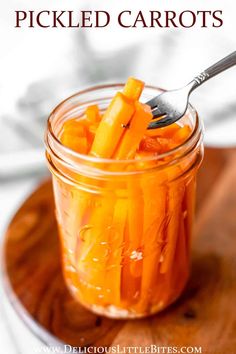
<point x="126" y="252"/>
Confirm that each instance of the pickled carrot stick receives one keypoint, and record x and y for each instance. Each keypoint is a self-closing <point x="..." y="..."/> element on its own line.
<point x="135" y="221"/>
<point x="173" y="280"/>
<point x="189" y="204"/>
<point x="135" y="226"/>
<point x="70" y="217"/>
<point x="133" y="88"/>
<point x="130" y="285"/>
<point x="181" y="254"/>
<point x="97" y="224"/>
<point x="174" y="209"/>
<point x="182" y="134"/>
<point x="163" y="296"/>
<point x="74" y="127"/>
<point x="89" y="233"/>
<point x="76" y="143"/>
<point x="111" y="127"/>
<point x="92" y="129"/>
<point x="132" y="269"/>
<point x="154" y="223"/>
<point x="94" y="250"/>
<point x="158" y="293"/>
<point x="130" y="280"/>
<point x="140" y="157"/>
<point x="74" y="136"/>
<point x="166" y="132"/>
<point x="114" y="264"/>
<point x="178" y="272"/>
<point x="134" y="133"/>
<point x="92" y="114"/>
<point x="149" y="144"/>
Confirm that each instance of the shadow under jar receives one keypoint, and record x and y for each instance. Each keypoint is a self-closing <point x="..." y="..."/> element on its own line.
<point x="125" y="225"/>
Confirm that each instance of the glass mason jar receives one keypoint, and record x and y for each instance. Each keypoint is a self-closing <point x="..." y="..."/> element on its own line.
<point x="125" y="225"/>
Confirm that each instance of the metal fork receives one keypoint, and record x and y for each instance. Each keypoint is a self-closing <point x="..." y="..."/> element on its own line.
<point x="172" y="105"/>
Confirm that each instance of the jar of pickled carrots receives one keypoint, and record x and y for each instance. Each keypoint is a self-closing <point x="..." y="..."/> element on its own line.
<point x="125" y="226"/>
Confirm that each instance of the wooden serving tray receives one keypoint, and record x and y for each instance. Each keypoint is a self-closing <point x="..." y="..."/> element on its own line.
<point x="204" y="316"/>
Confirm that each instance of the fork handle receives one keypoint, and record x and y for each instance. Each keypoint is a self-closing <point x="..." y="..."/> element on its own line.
<point x="215" y="69"/>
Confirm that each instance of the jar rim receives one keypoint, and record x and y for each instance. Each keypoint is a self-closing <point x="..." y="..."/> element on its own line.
<point x="194" y="137"/>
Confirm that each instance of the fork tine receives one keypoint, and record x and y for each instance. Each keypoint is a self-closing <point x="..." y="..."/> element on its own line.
<point x="156" y="112"/>
<point x="160" y="123"/>
<point x="157" y="115"/>
<point x="153" y="102"/>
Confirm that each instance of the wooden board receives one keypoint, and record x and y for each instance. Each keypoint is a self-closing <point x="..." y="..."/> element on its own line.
<point x="204" y="316"/>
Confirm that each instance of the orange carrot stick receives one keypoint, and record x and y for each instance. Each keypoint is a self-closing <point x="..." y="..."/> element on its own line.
<point x="175" y="278"/>
<point x="181" y="257"/>
<point x="114" y="264"/>
<point x="133" y="88"/>
<point x="182" y="134"/>
<point x="189" y="205"/>
<point x="130" y="285"/>
<point x="152" y="243"/>
<point x="73" y="126"/>
<point x="94" y="249"/>
<point x="177" y="275"/>
<point x="132" y="269"/>
<point x="134" y="133"/>
<point x="92" y="114"/>
<point x="174" y="209"/>
<point x="76" y="143"/>
<point x="74" y="136"/>
<point x="111" y="127"/>
<point x="165" y="132"/>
